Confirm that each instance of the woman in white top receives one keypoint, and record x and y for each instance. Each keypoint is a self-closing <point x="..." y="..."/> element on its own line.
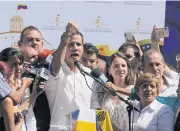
<point x="119" y="75"/>
<point x="153" y="115"/>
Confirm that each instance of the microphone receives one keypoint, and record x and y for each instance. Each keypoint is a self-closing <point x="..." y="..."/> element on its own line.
<point x="99" y="75"/>
<point x="44" y="58"/>
<point x="37" y="72"/>
<point x="44" y="53"/>
<point x="78" y="65"/>
<point x="40" y="74"/>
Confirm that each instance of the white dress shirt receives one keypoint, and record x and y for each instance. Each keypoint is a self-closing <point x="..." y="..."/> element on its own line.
<point x="169" y="88"/>
<point x="154" y="117"/>
<point x="66" y="93"/>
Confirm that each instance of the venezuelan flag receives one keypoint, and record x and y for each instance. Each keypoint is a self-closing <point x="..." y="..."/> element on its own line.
<point x="22" y="6"/>
<point x="103" y="121"/>
<point x="84" y="120"/>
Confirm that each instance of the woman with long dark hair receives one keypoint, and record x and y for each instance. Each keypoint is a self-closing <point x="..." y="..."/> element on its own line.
<point x="119" y="76"/>
<point x="7" y="105"/>
<point x="15" y="60"/>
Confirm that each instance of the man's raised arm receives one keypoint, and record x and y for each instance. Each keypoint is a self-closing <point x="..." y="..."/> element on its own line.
<point x="59" y="55"/>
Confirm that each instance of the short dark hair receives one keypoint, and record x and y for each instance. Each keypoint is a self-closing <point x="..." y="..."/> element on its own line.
<point x="103" y="57"/>
<point x="127" y="45"/>
<point x="89" y="48"/>
<point x="9" y="52"/>
<point x="28" y="28"/>
<point x="77" y="33"/>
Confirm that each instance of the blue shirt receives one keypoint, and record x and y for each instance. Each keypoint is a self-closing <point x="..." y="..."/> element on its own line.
<point x="173" y="102"/>
<point x="5" y="89"/>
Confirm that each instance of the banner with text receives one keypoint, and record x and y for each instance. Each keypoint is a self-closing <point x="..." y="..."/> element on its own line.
<point x="102" y="23"/>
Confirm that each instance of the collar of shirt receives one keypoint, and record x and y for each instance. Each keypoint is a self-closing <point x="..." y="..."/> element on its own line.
<point x="169" y="88"/>
<point x="2" y="77"/>
<point x="150" y="107"/>
<point x="66" y="68"/>
<point x="169" y="82"/>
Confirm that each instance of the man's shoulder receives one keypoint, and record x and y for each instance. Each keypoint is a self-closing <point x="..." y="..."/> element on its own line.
<point x="170" y="81"/>
<point x="171" y="74"/>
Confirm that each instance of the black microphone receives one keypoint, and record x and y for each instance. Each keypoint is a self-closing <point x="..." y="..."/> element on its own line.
<point x="40" y="74"/>
<point x="78" y="65"/>
<point x="99" y="75"/>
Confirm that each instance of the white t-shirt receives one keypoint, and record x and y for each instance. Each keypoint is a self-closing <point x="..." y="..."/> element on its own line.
<point x="154" y="117"/>
<point x="66" y="93"/>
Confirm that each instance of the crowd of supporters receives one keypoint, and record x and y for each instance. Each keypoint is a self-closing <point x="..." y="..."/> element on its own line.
<point x="29" y="103"/>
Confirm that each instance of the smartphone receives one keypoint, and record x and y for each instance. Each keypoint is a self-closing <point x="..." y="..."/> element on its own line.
<point x="162" y="32"/>
<point x="128" y="37"/>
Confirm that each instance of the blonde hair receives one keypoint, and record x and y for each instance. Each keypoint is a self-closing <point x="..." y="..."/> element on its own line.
<point x="147" y="78"/>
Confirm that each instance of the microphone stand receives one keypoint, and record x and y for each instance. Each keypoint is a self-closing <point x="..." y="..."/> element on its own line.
<point x="130" y="106"/>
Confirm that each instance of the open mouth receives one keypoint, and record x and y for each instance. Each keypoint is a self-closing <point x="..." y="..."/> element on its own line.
<point x="74" y="55"/>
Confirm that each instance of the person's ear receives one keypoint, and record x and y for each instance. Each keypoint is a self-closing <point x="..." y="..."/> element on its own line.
<point x="109" y="73"/>
<point x="97" y="62"/>
<point x="42" y="44"/>
<point x="19" y="43"/>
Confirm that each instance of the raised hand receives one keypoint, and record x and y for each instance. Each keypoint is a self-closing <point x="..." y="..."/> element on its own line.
<point x="111" y="85"/>
<point x="26" y="81"/>
<point x="154" y="38"/>
<point x="71" y="29"/>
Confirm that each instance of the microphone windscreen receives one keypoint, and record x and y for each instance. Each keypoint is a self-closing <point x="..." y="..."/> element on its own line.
<point x="77" y="63"/>
<point x="44" y="53"/>
<point x="96" y="73"/>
